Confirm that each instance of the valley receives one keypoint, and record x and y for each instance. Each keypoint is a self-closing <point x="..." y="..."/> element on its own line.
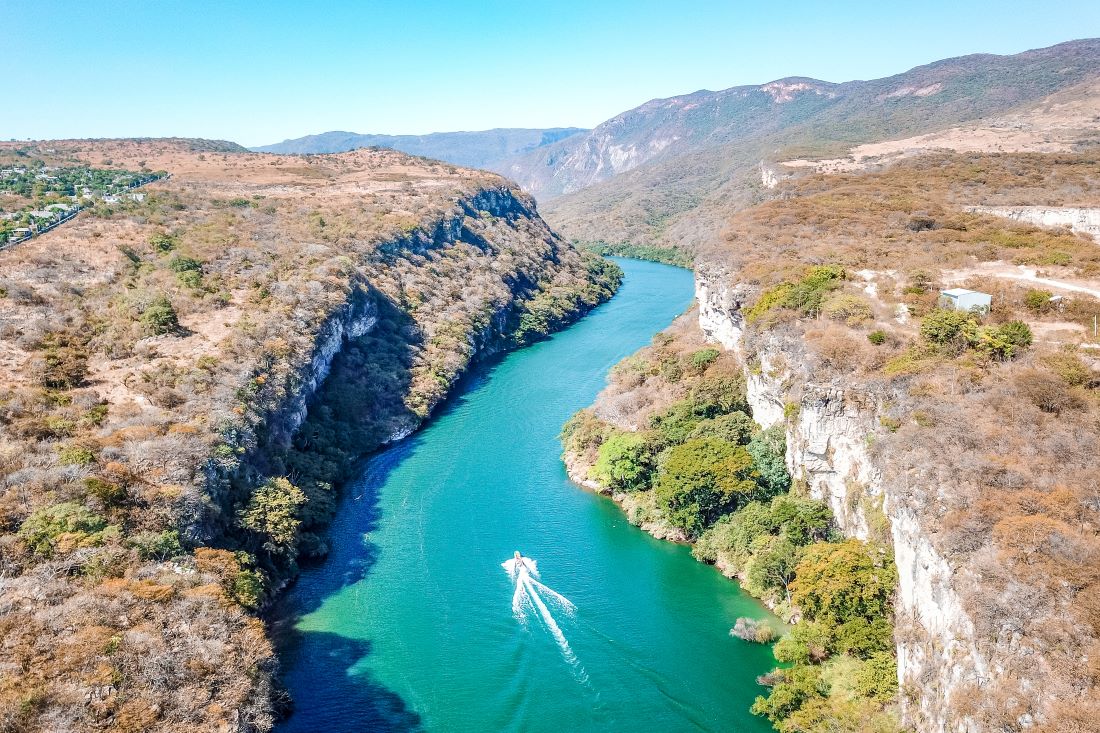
<point x="773" y="407"/>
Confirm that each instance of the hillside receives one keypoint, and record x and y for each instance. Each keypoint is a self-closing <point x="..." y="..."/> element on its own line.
<point x="951" y="451"/>
<point x="670" y="170"/>
<point x="484" y="149"/>
<point x="187" y="376"/>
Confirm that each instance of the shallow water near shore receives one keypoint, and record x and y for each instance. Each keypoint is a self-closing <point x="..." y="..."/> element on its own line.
<point x="411" y="623"/>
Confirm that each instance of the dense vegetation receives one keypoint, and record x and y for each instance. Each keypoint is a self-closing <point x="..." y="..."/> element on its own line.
<point x="653" y="253"/>
<point x="673" y="439"/>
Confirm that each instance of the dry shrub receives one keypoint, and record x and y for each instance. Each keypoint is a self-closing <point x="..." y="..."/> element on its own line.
<point x="1077" y="714"/>
<point x="838" y="348"/>
<point x="849" y="308"/>
<point x="1028" y="539"/>
<point x="1045" y="390"/>
<point x="1069" y="367"/>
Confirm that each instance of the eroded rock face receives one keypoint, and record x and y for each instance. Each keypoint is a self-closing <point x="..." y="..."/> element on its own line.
<point x="720" y="315"/>
<point x="831" y="432"/>
<point x="1085" y="220"/>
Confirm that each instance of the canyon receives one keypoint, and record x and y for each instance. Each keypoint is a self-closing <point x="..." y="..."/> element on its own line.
<point x="189" y="378"/>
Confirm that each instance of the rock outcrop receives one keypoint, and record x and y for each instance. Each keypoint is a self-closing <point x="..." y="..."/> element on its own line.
<point x="831" y="430"/>
<point x="1085" y="220"/>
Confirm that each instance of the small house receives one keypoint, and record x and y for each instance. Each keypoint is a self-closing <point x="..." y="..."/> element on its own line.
<point x="961" y="299"/>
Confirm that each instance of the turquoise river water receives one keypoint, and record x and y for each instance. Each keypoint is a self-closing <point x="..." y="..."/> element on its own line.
<point x="413" y="624"/>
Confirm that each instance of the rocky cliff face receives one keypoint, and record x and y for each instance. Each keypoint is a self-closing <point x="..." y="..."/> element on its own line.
<point x="1084" y="220"/>
<point x="265" y="435"/>
<point x="831" y="431"/>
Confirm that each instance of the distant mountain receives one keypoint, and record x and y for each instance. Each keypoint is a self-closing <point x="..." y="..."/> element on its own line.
<point x="636" y="176"/>
<point x="484" y="149"/>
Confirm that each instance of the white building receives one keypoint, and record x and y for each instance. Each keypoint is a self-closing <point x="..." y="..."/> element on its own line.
<point x="962" y="299"/>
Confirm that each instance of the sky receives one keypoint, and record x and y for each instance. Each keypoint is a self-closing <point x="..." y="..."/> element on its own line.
<point x="260" y="72"/>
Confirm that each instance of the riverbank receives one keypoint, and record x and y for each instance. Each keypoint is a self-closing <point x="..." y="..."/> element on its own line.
<point x="672" y="439"/>
<point x="408" y="623"/>
<point x="639" y="507"/>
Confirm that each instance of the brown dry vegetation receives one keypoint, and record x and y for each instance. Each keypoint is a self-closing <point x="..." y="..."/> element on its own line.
<point x="996" y="456"/>
<point x="910" y="217"/>
<point x="150" y="356"/>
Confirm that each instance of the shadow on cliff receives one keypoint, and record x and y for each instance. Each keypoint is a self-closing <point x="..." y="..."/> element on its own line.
<point x="358" y="408"/>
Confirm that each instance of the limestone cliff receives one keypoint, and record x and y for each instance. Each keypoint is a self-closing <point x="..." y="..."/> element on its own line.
<point x="1085" y="220"/>
<point x="831" y="431"/>
<point x="512" y="286"/>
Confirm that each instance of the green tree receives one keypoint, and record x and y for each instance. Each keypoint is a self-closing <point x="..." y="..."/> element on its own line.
<point x="793" y="688"/>
<point x="719" y="394"/>
<point x="677" y="422"/>
<point x="773" y="565"/>
<point x="163" y="242"/>
<point x="247" y="588"/>
<point x="701" y="480"/>
<point x="1037" y="300"/>
<point x="802" y="521"/>
<point x="840" y="581"/>
<point x="877" y="678"/>
<point x="703" y="358"/>
<point x="625" y="462"/>
<point x="738" y="536"/>
<point x="947" y="327"/>
<point x="863" y="638"/>
<point x="160" y="317"/>
<point x="768" y="449"/>
<point x="736" y="427"/>
<point x="805" y="643"/>
<point x="272" y="515"/>
<point x="48" y="527"/>
<point x="1005" y="341"/>
<point x="1016" y="333"/>
<point x="156" y="545"/>
<point x="65" y="363"/>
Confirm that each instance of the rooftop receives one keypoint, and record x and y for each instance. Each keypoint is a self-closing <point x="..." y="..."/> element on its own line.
<point x="956" y="292"/>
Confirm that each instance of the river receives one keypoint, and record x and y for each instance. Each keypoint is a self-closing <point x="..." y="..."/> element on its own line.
<point x="409" y="623"/>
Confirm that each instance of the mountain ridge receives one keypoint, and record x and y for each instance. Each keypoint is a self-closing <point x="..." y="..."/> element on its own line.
<point x="633" y="177"/>
<point x="474" y="148"/>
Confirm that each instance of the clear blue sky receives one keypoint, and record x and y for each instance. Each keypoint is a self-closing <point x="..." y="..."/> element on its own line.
<point x="263" y="71"/>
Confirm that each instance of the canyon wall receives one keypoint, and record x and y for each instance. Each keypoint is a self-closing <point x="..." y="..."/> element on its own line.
<point x="1084" y="220"/>
<point x="831" y="432"/>
<point x="267" y="430"/>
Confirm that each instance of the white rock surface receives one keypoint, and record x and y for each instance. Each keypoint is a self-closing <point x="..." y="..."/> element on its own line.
<point x="1085" y="220"/>
<point x="829" y="434"/>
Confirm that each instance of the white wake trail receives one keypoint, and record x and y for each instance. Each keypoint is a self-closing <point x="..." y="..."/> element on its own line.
<point x="565" y="603"/>
<point x="527" y="596"/>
